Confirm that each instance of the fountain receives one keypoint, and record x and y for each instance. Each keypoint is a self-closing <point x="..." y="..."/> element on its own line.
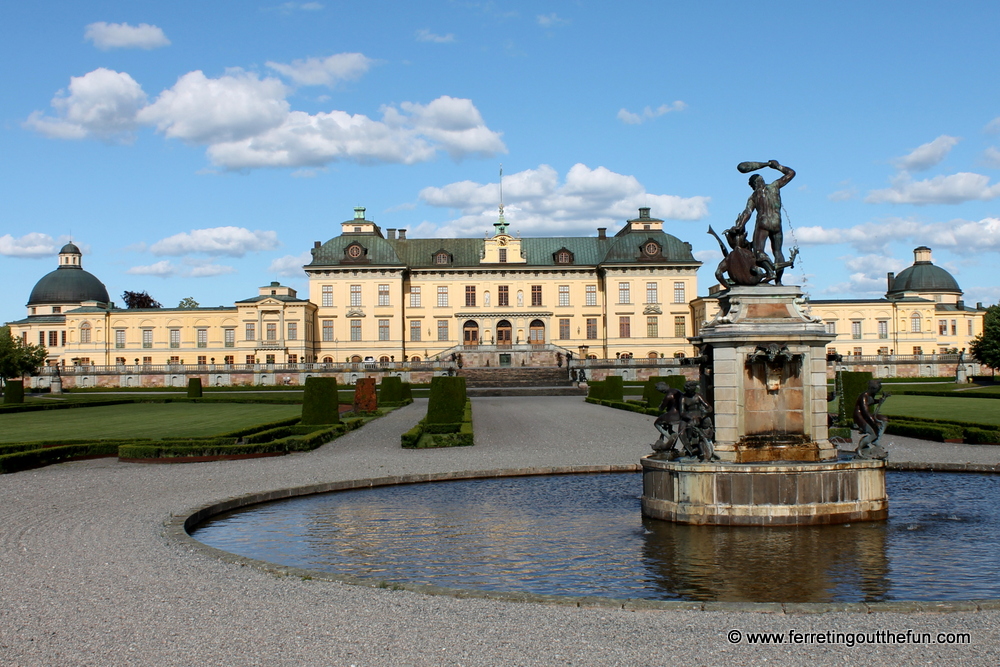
<point x="766" y="459"/>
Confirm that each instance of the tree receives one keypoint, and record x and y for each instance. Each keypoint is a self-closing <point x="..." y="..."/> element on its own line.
<point x="188" y="302"/>
<point x="986" y="346"/>
<point x="17" y="357"/>
<point x="140" y="300"/>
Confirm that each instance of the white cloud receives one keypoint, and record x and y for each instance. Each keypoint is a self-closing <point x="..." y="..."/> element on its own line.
<point x="306" y="173"/>
<point x="210" y="270"/>
<point x="843" y="195"/>
<point x="537" y="202"/>
<point x="953" y="189"/>
<point x="927" y="155"/>
<point x="962" y="237"/>
<point x="867" y="274"/>
<point x="233" y="107"/>
<point x="327" y="71"/>
<point x="414" y="134"/>
<point x="162" y="269"/>
<point x="102" y="103"/>
<point x="33" y="244"/>
<point x="993" y="126"/>
<point x="991" y="157"/>
<point x="425" y="35"/>
<point x="231" y="241"/>
<point x="629" y="118"/>
<point x="550" y="20"/>
<point x="290" y="265"/>
<point x="107" y="36"/>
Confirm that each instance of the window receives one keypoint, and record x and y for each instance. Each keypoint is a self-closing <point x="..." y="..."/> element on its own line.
<point x="470" y="296"/>
<point x="915" y="323"/>
<point x="415" y="326"/>
<point x="119" y="338"/>
<point x="120" y="361"/>
<point x="651" y="293"/>
<point x="41" y="338"/>
<point x="917" y="350"/>
<point x="62" y="338"/>
<point x="328" y="330"/>
<point x="624" y="293"/>
<point x="624" y="327"/>
<point x="564" y="295"/>
<point x="563" y="257"/>
<point x="202" y="360"/>
<point x="250" y="360"/>
<point x="415" y="296"/>
<point x="271" y="328"/>
<point x="442" y="296"/>
<point x="679" y="293"/>
<point x="355" y="295"/>
<point x="54" y="339"/>
<point x="970" y="327"/>
<point x="293" y="358"/>
<point x="229" y="335"/>
<point x="954" y="327"/>
<point x="383" y="295"/>
<point x="652" y="327"/>
<point x="943" y="327"/>
<point x="441" y="258"/>
<point x="680" y="326"/>
<point x="251" y="331"/>
<point x="56" y="310"/>
<point x="355" y="329"/>
<point x="146" y="361"/>
<point x="536" y="295"/>
<point x="147" y="338"/>
<point x="831" y="326"/>
<point x="857" y="352"/>
<point x="327" y="295"/>
<point x="383" y="329"/>
<point x="564" y="329"/>
<point x="85" y="332"/>
<point x="503" y="255"/>
<point x="175" y="338"/>
<point x="591" y="292"/>
<point x="856" y="330"/>
<point x="229" y="360"/>
<point x="591" y="328"/>
<point x="293" y="331"/>
<point x="203" y="336"/>
<point x="503" y="295"/>
<point x="442" y="329"/>
<point x="883" y="329"/>
<point x="883" y="350"/>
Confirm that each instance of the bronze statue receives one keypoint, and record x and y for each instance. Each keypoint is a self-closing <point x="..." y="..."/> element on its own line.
<point x="870" y="423"/>
<point x="685" y="419"/>
<point x="669" y="421"/>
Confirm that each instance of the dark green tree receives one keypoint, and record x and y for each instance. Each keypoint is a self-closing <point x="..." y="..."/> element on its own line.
<point x="17" y="357"/>
<point x="188" y="302"/>
<point x="140" y="300"/>
<point x="986" y="346"/>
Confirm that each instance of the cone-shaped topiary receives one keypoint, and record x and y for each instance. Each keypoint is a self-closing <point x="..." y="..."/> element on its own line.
<point x="320" y="403"/>
<point x="13" y="391"/>
<point x="194" y="388"/>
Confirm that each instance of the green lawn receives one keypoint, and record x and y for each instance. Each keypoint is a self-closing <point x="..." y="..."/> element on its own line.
<point x="140" y="420"/>
<point x="979" y="410"/>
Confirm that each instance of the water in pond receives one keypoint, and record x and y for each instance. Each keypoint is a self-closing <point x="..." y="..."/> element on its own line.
<point x="584" y="535"/>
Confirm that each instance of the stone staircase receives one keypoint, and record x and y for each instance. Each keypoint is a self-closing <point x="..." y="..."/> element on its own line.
<point x="519" y="381"/>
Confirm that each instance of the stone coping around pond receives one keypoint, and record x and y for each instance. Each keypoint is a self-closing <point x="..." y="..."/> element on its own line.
<point x="176" y="529"/>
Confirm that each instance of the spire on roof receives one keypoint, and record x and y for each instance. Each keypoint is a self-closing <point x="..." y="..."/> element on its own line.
<point x="501" y="225"/>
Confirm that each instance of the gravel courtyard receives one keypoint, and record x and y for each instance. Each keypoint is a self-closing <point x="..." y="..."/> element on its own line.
<point x="88" y="577"/>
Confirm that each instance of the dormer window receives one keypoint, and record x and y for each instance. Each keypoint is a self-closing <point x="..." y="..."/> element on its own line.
<point x="442" y="258"/>
<point x="356" y="253"/>
<point x="651" y="249"/>
<point x="563" y="256"/>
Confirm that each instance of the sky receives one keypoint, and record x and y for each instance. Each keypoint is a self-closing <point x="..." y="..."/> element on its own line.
<point x="198" y="149"/>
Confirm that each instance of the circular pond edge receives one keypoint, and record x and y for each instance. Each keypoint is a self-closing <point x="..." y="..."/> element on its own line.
<point x="177" y="526"/>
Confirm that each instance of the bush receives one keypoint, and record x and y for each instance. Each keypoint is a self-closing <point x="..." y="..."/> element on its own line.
<point x="320" y="404"/>
<point x="457" y="434"/>
<point x="850" y="385"/>
<point x="390" y="390"/>
<point x="447" y="401"/>
<point x="13" y="392"/>
<point x="36" y="458"/>
<point x="630" y="406"/>
<point x="407" y="392"/>
<point x="595" y="390"/>
<point x="981" y="436"/>
<point x="194" y="388"/>
<point x="925" y="430"/>
<point x="614" y="390"/>
<point x="651" y="397"/>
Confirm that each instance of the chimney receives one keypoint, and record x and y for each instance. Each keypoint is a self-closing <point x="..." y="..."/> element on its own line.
<point x="402" y="234"/>
<point x="890" y="277"/>
<point x="644" y="213"/>
<point x="316" y="244"/>
<point x="391" y="233"/>
<point x="602" y="232"/>
<point x="960" y="304"/>
<point x="979" y="305"/>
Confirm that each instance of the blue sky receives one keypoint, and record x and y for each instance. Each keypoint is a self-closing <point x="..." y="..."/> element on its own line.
<point x="199" y="148"/>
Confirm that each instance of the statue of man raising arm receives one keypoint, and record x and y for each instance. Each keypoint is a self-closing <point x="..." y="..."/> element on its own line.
<point x="766" y="201"/>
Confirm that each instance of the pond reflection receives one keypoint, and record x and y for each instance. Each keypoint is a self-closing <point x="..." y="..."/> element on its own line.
<point x="584" y="535"/>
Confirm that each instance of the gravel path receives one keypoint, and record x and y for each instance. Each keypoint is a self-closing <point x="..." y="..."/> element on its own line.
<point x="87" y="576"/>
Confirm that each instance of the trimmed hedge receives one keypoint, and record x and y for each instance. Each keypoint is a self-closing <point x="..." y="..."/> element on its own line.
<point x="407" y="392"/>
<point x="447" y="401"/>
<point x="62" y="405"/>
<point x="455" y="434"/>
<point x="623" y="405"/>
<point x="321" y="403"/>
<point x="850" y="385"/>
<point x="36" y="458"/>
<point x="651" y="397"/>
<point x="194" y="388"/>
<point x="390" y="390"/>
<point x="925" y="431"/>
<point x="614" y="390"/>
<point x="13" y="392"/>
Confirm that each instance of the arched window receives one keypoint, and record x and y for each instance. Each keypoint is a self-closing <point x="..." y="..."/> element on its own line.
<point x="356" y="359"/>
<point x="504" y="333"/>
<point x="470" y="333"/>
<point x="85" y="332"/>
<point x="915" y="323"/>
<point x="678" y="355"/>
<point x="654" y="355"/>
<point x="414" y="358"/>
<point x="327" y="360"/>
<point x="383" y="359"/>
<point x="536" y="332"/>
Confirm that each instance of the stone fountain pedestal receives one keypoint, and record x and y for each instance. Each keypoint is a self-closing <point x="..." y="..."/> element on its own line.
<point x="766" y="378"/>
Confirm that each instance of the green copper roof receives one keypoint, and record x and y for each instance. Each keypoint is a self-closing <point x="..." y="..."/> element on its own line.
<point x="68" y="284"/>
<point x="924" y="277"/>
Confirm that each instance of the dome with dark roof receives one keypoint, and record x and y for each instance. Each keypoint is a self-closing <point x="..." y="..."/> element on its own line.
<point x="923" y="276"/>
<point x="69" y="283"/>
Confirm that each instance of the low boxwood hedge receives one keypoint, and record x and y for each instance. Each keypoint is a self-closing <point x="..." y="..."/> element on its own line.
<point x="453" y="434"/>
<point x="925" y="430"/>
<point x="36" y="458"/>
<point x="623" y="405"/>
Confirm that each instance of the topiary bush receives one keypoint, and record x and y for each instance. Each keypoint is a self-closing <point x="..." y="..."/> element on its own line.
<point x="447" y="400"/>
<point x="390" y="390"/>
<point x="13" y="392"/>
<point x="614" y="389"/>
<point x="194" y="388"/>
<point x="850" y="385"/>
<point x="320" y="403"/>
<point x="407" y="392"/>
